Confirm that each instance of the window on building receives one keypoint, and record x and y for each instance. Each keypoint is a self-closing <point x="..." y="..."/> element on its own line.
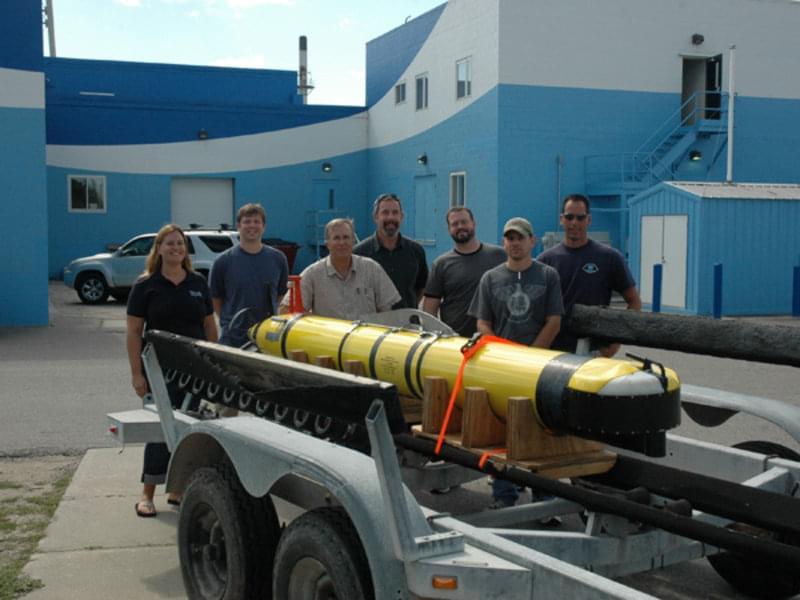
<point x="458" y="189"/>
<point x="464" y="78"/>
<point x="87" y="193"/>
<point x="422" y="91"/>
<point x="400" y="93"/>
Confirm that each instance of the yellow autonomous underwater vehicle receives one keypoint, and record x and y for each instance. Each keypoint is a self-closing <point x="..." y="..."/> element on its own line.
<point x="628" y="404"/>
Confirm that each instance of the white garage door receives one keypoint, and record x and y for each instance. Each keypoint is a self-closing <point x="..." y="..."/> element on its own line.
<point x="206" y="202"/>
<point x="664" y="241"/>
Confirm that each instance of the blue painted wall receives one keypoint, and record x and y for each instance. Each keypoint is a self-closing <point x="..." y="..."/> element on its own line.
<point x="21" y="34"/>
<point x="23" y="202"/>
<point x="141" y="203"/>
<point x="465" y="142"/>
<point x="390" y="54"/>
<point x="758" y="247"/>
<point x="538" y="124"/>
<point x="755" y="240"/>
<point x="157" y="103"/>
<point x="23" y="218"/>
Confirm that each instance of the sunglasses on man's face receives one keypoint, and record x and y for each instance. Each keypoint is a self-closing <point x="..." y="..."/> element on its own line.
<point x="572" y="217"/>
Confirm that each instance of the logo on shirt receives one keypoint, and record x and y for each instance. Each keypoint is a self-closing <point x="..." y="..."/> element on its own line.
<point x="518" y="299"/>
<point x="590" y="268"/>
<point x="195" y="294"/>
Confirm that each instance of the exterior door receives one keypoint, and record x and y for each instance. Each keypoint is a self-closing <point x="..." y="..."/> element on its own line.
<point x="664" y="242"/>
<point x="204" y="202"/>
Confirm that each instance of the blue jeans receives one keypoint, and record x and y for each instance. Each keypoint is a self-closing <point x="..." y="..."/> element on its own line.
<point x="504" y="491"/>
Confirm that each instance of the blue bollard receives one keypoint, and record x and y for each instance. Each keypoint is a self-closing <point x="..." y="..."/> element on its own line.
<point x="796" y="292"/>
<point x="657" y="273"/>
<point x="717" y="290"/>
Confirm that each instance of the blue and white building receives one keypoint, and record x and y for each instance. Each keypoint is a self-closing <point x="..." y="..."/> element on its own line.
<point x="504" y="106"/>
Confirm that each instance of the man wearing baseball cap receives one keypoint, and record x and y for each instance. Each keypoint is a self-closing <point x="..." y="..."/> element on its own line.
<point x="519" y="300"/>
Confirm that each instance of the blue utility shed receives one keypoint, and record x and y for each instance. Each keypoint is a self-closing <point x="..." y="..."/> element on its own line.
<point x="752" y="229"/>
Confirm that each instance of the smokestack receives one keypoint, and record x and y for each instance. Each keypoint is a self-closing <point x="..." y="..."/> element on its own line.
<point x="304" y="86"/>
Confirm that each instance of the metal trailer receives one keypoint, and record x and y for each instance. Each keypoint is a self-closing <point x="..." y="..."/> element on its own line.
<point x="360" y="532"/>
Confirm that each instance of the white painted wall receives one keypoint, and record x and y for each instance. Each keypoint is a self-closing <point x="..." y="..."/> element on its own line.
<point x="21" y="89"/>
<point x="465" y="28"/>
<point x="637" y="44"/>
<point x="240" y="153"/>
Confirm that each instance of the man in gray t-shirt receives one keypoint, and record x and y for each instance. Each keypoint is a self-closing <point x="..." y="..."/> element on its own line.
<point x="521" y="299"/>
<point x="455" y="274"/>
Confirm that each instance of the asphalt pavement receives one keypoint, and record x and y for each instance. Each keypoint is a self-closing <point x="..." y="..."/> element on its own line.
<point x="60" y="381"/>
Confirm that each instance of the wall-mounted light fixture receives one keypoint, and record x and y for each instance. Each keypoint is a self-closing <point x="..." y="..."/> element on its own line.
<point x="327" y="167"/>
<point x="202" y="134"/>
<point x="698" y="38"/>
<point x="695" y="155"/>
<point x="422" y="159"/>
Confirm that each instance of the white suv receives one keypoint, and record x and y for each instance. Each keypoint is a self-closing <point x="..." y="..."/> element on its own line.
<point x="96" y="277"/>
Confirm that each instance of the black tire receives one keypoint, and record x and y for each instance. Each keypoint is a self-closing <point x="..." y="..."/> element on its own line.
<point x="759" y="578"/>
<point x="226" y="538"/>
<point x="92" y="288"/>
<point x="320" y="556"/>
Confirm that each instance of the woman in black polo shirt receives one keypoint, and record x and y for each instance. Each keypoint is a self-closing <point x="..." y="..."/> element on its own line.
<point x="168" y="296"/>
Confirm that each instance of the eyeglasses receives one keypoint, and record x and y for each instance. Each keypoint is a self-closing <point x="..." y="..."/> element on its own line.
<point x="572" y="217"/>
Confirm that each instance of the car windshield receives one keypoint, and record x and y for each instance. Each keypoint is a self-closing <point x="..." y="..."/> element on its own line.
<point x="138" y="246"/>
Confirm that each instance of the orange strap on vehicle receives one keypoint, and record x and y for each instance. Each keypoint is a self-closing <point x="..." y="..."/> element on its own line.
<point x="468" y="350"/>
<point x="295" y="295"/>
<point x="485" y="456"/>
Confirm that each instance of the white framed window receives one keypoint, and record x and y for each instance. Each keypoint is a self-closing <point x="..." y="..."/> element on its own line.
<point x="400" y="93"/>
<point x="464" y="78"/>
<point x="86" y="193"/>
<point x="458" y="189"/>
<point x="422" y="91"/>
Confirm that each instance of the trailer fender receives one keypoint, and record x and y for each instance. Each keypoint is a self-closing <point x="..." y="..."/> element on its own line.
<point x="265" y="454"/>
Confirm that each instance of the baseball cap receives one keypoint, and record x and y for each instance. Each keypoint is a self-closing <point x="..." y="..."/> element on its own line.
<point x="520" y="225"/>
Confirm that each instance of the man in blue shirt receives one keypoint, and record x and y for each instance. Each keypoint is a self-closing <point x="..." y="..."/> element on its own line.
<point x="589" y="271"/>
<point x="249" y="275"/>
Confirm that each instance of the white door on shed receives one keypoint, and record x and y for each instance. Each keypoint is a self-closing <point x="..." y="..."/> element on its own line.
<point x="664" y="242"/>
<point x="205" y="202"/>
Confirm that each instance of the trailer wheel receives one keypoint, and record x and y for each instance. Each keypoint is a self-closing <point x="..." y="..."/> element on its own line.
<point x="226" y="537"/>
<point x="320" y="557"/>
<point x="759" y="579"/>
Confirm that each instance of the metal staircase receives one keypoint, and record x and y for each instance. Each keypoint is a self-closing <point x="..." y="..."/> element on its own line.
<point x="659" y="156"/>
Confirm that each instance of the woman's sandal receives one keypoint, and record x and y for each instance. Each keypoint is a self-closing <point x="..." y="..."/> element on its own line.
<point x="148" y="506"/>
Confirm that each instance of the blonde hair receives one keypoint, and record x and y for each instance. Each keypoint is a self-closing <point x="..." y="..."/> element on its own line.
<point x="153" y="262"/>
<point x="336" y="223"/>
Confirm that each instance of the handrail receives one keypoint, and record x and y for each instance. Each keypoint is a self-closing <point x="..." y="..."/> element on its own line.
<point x="691" y="117"/>
<point x="645" y="166"/>
<point x="668" y="120"/>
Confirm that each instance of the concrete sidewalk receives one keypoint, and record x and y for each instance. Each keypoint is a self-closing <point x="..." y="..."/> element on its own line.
<point x="97" y="548"/>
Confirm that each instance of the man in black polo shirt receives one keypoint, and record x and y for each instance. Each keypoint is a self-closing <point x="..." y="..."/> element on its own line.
<point x="402" y="259"/>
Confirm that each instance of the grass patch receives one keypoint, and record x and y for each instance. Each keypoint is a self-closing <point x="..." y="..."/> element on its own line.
<point x="27" y="515"/>
<point x="9" y="485"/>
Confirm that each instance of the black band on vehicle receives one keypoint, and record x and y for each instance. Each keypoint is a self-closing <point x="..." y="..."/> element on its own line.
<point x="422" y="354"/>
<point x="373" y="353"/>
<point x="410" y="359"/>
<point x="289" y="324"/>
<point x="355" y="326"/>
<point x="551" y="386"/>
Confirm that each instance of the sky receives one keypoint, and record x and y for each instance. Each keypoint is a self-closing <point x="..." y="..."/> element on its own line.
<point x="236" y="33"/>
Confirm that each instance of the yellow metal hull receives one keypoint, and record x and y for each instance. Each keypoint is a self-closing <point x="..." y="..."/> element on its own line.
<point x="406" y="357"/>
